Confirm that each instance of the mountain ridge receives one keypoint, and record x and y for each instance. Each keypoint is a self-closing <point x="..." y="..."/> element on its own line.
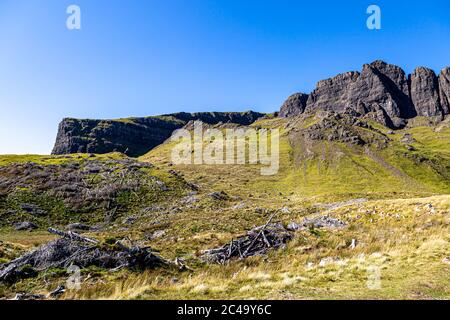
<point x="133" y="136"/>
<point x="382" y="90"/>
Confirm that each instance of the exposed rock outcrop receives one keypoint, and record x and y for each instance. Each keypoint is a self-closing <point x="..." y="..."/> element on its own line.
<point x="332" y="126"/>
<point x="425" y="92"/>
<point x="381" y="91"/>
<point x="294" y="105"/>
<point x="382" y="87"/>
<point x="332" y="94"/>
<point x="444" y="90"/>
<point x="384" y="93"/>
<point x="25" y="226"/>
<point x="134" y="136"/>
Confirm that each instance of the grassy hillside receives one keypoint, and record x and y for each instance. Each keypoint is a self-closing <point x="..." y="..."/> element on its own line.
<point x="96" y="190"/>
<point x="334" y="170"/>
<point x="400" y="237"/>
<point x="392" y="193"/>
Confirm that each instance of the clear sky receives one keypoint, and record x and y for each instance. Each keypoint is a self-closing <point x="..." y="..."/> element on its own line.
<point x="139" y="58"/>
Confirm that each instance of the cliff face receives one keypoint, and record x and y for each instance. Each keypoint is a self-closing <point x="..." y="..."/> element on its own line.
<point x="133" y="136"/>
<point x="102" y="136"/>
<point x="384" y="91"/>
<point x="444" y="90"/>
<point x="294" y="105"/>
<point x="381" y="91"/>
<point x="425" y="92"/>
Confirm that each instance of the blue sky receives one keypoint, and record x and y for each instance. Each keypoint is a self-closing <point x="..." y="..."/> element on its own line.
<point x="139" y="58"/>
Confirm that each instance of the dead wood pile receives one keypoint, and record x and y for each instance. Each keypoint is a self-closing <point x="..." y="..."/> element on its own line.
<point x="256" y="242"/>
<point x="74" y="249"/>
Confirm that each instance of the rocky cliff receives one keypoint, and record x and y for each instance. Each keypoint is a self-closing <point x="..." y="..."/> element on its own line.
<point x="381" y="91"/>
<point x="133" y="136"/>
<point x="294" y="105"/>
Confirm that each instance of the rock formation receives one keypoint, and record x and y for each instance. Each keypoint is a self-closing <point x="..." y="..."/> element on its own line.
<point x="425" y="92"/>
<point x="294" y="105"/>
<point x="444" y="90"/>
<point x="332" y="94"/>
<point x="134" y="136"/>
<point x="383" y="92"/>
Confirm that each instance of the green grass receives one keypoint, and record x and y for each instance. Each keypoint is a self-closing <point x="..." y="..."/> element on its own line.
<point x="396" y="231"/>
<point x="55" y="160"/>
<point x="398" y="236"/>
<point x="324" y="170"/>
<point x="60" y="213"/>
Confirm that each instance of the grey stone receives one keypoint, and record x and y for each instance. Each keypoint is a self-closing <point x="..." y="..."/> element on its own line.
<point x="156" y="235"/>
<point x="407" y="138"/>
<point x="382" y="88"/>
<point x="318" y="222"/>
<point x="444" y="90"/>
<point x="130" y="220"/>
<point x="294" y="105"/>
<point x="323" y="222"/>
<point x="33" y="209"/>
<point x="332" y="94"/>
<point x="293" y="226"/>
<point x="134" y="136"/>
<point x="219" y="195"/>
<point x="425" y="92"/>
<point x="381" y="92"/>
<point x="79" y="227"/>
<point x="25" y="226"/>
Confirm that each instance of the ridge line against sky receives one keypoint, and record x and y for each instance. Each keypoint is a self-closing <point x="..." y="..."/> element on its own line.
<point x="154" y="57"/>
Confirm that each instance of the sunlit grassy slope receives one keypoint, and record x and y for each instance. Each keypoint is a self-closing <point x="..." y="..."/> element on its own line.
<point x="400" y="240"/>
<point x="332" y="170"/>
<point x="106" y="176"/>
<point x="401" y="232"/>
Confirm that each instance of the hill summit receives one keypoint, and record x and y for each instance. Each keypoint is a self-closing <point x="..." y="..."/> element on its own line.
<point x="380" y="91"/>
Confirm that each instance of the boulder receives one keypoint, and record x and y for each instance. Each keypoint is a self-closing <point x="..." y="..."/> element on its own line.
<point x="25" y="226"/>
<point x="33" y="209"/>
<point x="220" y="196"/>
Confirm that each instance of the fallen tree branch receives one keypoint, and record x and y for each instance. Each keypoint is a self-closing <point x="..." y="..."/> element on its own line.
<point x="72" y="236"/>
<point x="257" y="241"/>
<point x="259" y="234"/>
